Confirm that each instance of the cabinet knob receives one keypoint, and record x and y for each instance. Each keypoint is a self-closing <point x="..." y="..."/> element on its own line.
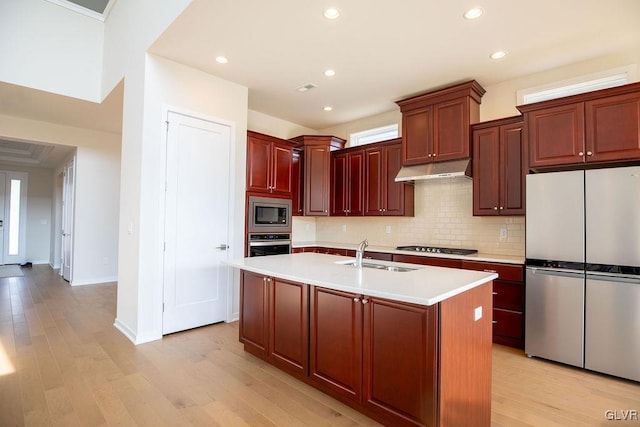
<point x="501" y="207"/>
<point x="494" y="293"/>
<point x="494" y="321"/>
<point x="434" y="154"/>
<point x="589" y="153"/>
<point x="364" y="301"/>
<point x="429" y="155"/>
<point x="356" y="299"/>
<point x="581" y="154"/>
<point x="495" y="208"/>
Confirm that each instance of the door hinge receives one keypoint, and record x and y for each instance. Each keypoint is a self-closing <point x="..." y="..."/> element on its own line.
<point x="163" y="307"/>
<point x="167" y="123"/>
<point x="164" y="247"/>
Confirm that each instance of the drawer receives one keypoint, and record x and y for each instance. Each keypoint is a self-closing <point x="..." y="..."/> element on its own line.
<point x="508" y="295"/>
<point x="507" y="323"/>
<point x="512" y="272"/>
<point x="438" y="262"/>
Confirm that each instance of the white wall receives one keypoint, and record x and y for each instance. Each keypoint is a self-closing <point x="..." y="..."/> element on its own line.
<point x="172" y="85"/>
<point x="97" y="175"/>
<point x="41" y="48"/>
<point x="269" y="125"/>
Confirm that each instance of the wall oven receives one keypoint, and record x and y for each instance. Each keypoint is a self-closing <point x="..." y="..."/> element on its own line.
<point x="268" y="244"/>
<point x="268" y="226"/>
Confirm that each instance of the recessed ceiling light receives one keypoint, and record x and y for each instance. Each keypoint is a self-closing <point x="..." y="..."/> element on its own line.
<point x="331" y="13"/>
<point x="473" y="13"/>
<point x="498" y="54"/>
<point x="327" y="108"/>
<point x="222" y="60"/>
<point x="329" y="73"/>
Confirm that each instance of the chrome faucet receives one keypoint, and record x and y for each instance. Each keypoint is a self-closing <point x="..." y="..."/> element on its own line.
<point x="360" y="252"/>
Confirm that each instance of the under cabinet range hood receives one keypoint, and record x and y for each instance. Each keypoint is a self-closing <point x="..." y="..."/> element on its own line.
<point x="451" y="169"/>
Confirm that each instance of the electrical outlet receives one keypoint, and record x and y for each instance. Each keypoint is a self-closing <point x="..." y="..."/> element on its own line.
<point x="477" y="313"/>
<point x="387" y="229"/>
<point x="307" y="227"/>
<point x="503" y="233"/>
<point x="344" y="228"/>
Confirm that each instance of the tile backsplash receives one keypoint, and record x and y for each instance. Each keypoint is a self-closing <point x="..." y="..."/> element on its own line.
<point x="443" y="217"/>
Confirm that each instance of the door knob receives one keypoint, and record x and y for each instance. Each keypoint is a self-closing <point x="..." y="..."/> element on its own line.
<point x="222" y="247"/>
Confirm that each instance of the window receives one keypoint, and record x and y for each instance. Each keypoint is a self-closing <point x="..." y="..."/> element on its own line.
<point x="588" y="83"/>
<point x="373" y="135"/>
<point x="14" y="217"/>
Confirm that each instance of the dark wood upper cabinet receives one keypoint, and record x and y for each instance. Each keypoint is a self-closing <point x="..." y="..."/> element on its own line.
<point x="317" y="171"/>
<point x="269" y="164"/>
<point x="498" y="167"/>
<point x="384" y="196"/>
<point x="347" y="182"/>
<point x="595" y="127"/>
<point x="297" y="182"/>
<point x="435" y="125"/>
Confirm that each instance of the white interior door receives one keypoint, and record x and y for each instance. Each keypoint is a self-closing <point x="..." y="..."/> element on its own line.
<point x="68" y="192"/>
<point x="196" y="230"/>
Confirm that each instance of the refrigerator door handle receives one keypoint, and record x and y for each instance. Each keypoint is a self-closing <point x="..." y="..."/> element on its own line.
<point x="619" y="278"/>
<point x="556" y="272"/>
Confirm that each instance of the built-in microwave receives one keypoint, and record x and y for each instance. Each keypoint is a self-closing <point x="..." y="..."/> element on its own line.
<point x="269" y="215"/>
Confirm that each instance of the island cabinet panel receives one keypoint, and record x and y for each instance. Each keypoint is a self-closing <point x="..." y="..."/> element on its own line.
<point x="288" y="326"/>
<point x="336" y="343"/>
<point x="269" y="164"/>
<point x="400" y="362"/>
<point x="465" y="381"/>
<point x="254" y="313"/>
<point x="424" y="260"/>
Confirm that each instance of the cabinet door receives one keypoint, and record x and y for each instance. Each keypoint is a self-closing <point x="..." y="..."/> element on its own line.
<point x="317" y="173"/>
<point x="613" y="128"/>
<point x="486" y="171"/>
<point x="339" y="184"/>
<point x="254" y="313"/>
<point x="400" y="362"/>
<point x="556" y="135"/>
<point x="282" y="169"/>
<point x="258" y="164"/>
<point x="417" y="136"/>
<point x="451" y="130"/>
<point x="512" y="171"/>
<point x="297" y="183"/>
<point x="288" y="326"/>
<point x="335" y="364"/>
<point x="374" y="177"/>
<point x="354" y="184"/>
<point x="392" y="191"/>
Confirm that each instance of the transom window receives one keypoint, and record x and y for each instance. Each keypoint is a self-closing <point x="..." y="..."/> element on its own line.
<point x="373" y="135"/>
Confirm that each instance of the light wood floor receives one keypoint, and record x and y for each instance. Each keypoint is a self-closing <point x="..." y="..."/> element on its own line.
<point x="63" y="363"/>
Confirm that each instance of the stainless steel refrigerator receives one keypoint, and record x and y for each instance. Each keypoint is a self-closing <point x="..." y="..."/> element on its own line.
<point x="583" y="269"/>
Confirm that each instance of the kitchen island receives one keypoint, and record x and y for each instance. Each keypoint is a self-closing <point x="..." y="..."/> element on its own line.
<point x="402" y="343"/>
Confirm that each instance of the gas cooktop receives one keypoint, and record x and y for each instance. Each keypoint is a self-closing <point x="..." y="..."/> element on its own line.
<point x="436" y="250"/>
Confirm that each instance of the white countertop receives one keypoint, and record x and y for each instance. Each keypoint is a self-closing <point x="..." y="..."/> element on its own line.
<point x="426" y="285"/>
<point x="507" y="259"/>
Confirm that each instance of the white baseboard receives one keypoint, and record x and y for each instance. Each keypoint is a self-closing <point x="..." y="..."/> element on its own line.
<point x="95" y="281"/>
<point x="128" y="332"/>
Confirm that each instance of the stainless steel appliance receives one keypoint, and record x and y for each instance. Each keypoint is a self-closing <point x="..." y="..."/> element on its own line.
<point x="583" y="269"/>
<point x="268" y="244"/>
<point x="268" y="215"/>
<point x="437" y="250"/>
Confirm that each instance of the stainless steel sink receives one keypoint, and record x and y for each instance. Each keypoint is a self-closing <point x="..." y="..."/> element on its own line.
<point x="379" y="266"/>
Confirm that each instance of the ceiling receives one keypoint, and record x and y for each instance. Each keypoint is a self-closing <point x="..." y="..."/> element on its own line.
<point x="383" y="51"/>
<point x="380" y="52"/>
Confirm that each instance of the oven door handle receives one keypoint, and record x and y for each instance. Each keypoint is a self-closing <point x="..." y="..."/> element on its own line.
<point x="270" y="243"/>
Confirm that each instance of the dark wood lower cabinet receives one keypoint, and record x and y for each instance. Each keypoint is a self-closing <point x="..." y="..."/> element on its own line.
<point x="401" y="364"/>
